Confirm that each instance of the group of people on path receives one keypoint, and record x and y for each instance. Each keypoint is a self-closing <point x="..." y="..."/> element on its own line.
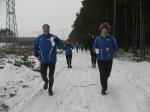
<point x="79" y="47"/>
<point x="102" y="50"/>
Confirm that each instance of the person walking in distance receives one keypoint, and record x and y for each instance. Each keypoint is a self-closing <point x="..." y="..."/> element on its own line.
<point x="68" y="51"/>
<point x="77" y="47"/>
<point x="46" y="49"/>
<point x="93" y="54"/>
<point x="105" y="46"/>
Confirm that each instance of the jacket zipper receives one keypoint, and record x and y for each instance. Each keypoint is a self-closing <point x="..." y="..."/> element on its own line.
<point x="50" y="54"/>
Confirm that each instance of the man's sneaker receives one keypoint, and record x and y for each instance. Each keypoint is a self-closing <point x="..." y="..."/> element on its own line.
<point x="45" y="85"/>
<point x="103" y="93"/>
<point x="70" y="66"/>
<point x="50" y="92"/>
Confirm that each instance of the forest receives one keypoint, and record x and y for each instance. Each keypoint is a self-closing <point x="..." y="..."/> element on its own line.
<point x="129" y="20"/>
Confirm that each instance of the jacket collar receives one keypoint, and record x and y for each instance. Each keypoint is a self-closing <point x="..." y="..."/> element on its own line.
<point x="48" y="35"/>
<point x="105" y="36"/>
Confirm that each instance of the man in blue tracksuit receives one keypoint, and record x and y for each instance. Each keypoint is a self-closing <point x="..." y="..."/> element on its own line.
<point x="105" y="46"/>
<point x="68" y="51"/>
<point x="46" y="49"/>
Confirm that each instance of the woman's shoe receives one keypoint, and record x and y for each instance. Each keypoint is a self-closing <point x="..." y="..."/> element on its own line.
<point x="103" y="93"/>
<point x="50" y="92"/>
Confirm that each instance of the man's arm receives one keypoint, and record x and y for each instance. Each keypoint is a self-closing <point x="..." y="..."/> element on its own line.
<point x="59" y="42"/>
<point x="36" y="48"/>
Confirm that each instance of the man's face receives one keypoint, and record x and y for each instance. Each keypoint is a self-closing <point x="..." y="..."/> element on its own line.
<point x="46" y="30"/>
<point x="104" y="31"/>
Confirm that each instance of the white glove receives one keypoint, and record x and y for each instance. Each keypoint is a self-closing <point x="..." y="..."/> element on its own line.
<point x="97" y="51"/>
<point x="64" y="52"/>
<point x="52" y="41"/>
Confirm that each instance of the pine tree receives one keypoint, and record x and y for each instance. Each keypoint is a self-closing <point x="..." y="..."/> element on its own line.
<point x="91" y="15"/>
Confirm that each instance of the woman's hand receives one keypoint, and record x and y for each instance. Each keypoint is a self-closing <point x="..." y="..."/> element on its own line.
<point x="107" y="49"/>
<point x="96" y="50"/>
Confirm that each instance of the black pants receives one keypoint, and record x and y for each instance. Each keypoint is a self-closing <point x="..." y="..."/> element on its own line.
<point x="105" y="70"/>
<point x="44" y="68"/>
<point x="93" y="58"/>
<point x="69" y="60"/>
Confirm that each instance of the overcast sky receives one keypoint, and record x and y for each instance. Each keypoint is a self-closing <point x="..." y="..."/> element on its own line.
<point x="32" y="14"/>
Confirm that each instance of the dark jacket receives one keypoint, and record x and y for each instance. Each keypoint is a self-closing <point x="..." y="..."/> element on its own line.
<point x="68" y="49"/>
<point x="46" y="47"/>
<point x="102" y="43"/>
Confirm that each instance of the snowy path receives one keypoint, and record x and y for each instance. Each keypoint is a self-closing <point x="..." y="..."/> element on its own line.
<point x="78" y="90"/>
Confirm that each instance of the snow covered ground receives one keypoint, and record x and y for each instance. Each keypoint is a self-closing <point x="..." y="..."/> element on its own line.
<point x="19" y="84"/>
<point x="78" y="89"/>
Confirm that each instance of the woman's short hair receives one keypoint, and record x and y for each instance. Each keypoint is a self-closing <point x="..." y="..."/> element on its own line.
<point x="105" y="25"/>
